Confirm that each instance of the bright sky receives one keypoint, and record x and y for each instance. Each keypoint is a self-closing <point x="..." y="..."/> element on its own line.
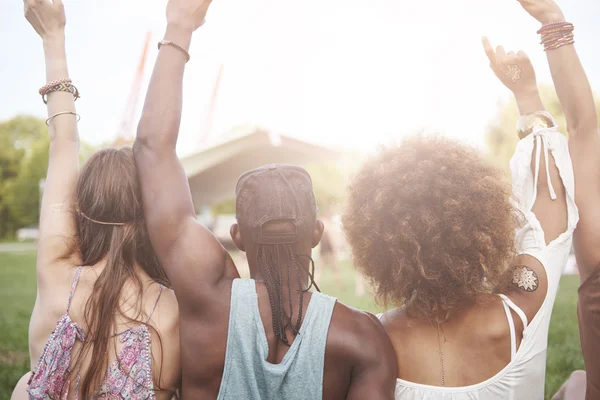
<point x="342" y="73"/>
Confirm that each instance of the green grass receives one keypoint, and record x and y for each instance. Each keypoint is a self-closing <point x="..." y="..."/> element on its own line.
<point x="17" y="295"/>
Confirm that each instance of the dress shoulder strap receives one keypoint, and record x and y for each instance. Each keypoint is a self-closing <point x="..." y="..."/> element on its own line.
<point x="160" y="289"/>
<point x="73" y="287"/>
<point x="513" y="335"/>
<point x="516" y="309"/>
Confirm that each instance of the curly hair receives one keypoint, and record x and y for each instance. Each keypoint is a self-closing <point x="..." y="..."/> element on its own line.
<point x="431" y="225"/>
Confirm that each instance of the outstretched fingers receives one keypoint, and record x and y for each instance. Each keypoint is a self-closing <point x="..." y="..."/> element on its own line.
<point x="489" y="51"/>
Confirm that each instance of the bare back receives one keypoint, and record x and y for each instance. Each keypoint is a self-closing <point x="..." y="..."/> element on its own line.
<point x="51" y="304"/>
<point x="476" y="345"/>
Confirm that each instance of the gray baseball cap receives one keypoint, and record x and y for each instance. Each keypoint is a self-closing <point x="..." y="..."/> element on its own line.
<point x="276" y="192"/>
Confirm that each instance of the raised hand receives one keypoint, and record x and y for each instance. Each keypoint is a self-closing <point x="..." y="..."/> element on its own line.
<point x="46" y="16"/>
<point x="514" y="70"/>
<point x="545" y="11"/>
<point x="187" y="14"/>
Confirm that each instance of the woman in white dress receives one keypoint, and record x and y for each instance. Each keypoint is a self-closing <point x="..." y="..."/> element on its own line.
<point x="432" y="225"/>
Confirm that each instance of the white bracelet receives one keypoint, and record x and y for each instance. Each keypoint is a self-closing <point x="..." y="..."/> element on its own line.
<point x="527" y="123"/>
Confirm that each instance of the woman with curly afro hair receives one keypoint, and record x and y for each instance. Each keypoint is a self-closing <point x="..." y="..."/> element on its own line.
<point x="472" y="266"/>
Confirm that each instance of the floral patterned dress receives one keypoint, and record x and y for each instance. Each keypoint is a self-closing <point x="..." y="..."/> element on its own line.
<point x="128" y="377"/>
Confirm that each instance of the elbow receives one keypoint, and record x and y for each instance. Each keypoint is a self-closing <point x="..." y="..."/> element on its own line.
<point x="140" y="146"/>
<point x="150" y="137"/>
<point x="583" y="125"/>
<point x="145" y="147"/>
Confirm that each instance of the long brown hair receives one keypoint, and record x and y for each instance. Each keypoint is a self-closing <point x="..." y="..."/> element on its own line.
<point x="108" y="190"/>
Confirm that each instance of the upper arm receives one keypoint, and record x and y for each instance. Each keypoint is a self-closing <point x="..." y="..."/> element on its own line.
<point x="191" y="255"/>
<point x="584" y="150"/>
<point x="166" y="195"/>
<point x="195" y="263"/>
<point x="375" y="371"/>
<point x="57" y="229"/>
<point x="528" y="280"/>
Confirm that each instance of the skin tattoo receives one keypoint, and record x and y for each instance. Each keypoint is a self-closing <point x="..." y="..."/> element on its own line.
<point x="525" y="278"/>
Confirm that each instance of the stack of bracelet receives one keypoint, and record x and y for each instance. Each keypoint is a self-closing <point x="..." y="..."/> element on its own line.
<point x="59" y="85"/>
<point x="557" y="35"/>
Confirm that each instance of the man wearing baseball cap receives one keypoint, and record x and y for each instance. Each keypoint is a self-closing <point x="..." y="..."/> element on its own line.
<point x="269" y="337"/>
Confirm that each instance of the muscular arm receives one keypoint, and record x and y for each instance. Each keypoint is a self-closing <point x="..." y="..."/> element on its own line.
<point x="375" y="372"/>
<point x="191" y="255"/>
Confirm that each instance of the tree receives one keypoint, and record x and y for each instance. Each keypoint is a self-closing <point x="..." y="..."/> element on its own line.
<point x="330" y="178"/>
<point x="501" y="138"/>
<point x="24" y="193"/>
<point x="24" y="145"/>
<point x="19" y="148"/>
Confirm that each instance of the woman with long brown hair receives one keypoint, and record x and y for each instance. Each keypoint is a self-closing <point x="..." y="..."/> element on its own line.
<point x="105" y="323"/>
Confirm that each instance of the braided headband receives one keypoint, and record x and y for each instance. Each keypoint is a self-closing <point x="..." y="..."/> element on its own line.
<point x="101" y="222"/>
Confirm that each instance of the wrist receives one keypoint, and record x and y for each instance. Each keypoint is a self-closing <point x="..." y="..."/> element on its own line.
<point x="529" y="101"/>
<point x="179" y="33"/>
<point x="552" y="18"/>
<point x="526" y="92"/>
<point x="54" y="38"/>
<point x="54" y="45"/>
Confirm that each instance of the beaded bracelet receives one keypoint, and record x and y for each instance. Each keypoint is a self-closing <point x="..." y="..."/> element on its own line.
<point x="557" y="39"/>
<point x="556" y="26"/>
<point x="175" y="45"/>
<point x="61" y="87"/>
<point x="47" y="86"/>
<point x="556" y="35"/>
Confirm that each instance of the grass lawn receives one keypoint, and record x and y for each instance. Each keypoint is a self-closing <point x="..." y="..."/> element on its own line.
<point x="17" y="295"/>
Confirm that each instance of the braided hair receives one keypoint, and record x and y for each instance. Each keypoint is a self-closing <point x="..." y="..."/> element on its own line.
<point x="279" y="194"/>
<point x="270" y="263"/>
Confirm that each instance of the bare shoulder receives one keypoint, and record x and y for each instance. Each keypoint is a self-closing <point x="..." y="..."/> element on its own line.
<point x="526" y="284"/>
<point x="397" y="322"/>
<point x="58" y="272"/>
<point x="166" y="348"/>
<point x="197" y="264"/>
<point x="166" y="316"/>
<point x="400" y="328"/>
<point x="359" y="334"/>
<point x="363" y="348"/>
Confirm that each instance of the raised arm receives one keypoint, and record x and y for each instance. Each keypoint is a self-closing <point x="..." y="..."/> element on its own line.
<point x="57" y="225"/>
<point x="572" y="85"/>
<point x="540" y="164"/>
<point x="576" y="98"/>
<point x="190" y="254"/>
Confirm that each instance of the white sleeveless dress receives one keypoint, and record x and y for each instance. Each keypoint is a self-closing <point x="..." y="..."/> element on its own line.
<point x="524" y="377"/>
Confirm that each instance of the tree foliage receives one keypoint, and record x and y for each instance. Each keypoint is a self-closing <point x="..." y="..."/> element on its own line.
<point x="24" y="145"/>
<point x="330" y="178"/>
<point x="23" y="163"/>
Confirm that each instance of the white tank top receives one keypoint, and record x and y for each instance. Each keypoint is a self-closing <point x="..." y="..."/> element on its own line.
<point x="524" y="376"/>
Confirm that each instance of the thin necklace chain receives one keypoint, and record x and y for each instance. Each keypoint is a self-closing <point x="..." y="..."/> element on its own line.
<point x="441" y="351"/>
